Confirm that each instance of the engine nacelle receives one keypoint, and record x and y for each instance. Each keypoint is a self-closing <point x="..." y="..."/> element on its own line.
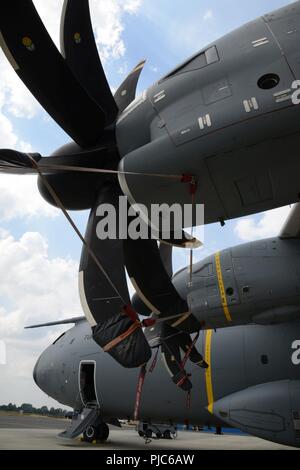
<point x="256" y="282"/>
<point x="270" y="411"/>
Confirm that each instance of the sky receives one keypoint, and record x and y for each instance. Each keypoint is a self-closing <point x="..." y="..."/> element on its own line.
<point x="39" y="253"/>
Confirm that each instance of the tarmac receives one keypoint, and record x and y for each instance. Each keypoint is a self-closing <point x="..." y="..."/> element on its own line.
<point x="19" y="432"/>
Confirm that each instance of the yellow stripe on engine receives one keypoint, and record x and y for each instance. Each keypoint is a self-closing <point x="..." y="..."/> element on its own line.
<point x="222" y="288"/>
<point x="208" y="375"/>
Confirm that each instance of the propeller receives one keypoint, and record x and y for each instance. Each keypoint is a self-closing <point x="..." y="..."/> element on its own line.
<point x="78" y="47"/>
<point x="73" y="89"/>
<point x="104" y="298"/>
<point x="35" y="58"/>
<point x="125" y="94"/>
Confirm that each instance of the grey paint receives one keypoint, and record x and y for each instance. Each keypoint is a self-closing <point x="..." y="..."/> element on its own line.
<point x="241" y="358"/>
<point x="210" y="118"/>
<point x="261" y="280"/>
<point x="240" y="380"/>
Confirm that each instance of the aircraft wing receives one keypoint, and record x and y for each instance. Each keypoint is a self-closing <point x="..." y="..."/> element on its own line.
<point x="55" y="323"/>
<point x="291" y="228"/>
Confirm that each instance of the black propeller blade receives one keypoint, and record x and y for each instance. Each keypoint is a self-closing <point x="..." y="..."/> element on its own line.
<point x="79" y="48"/>
<point x="35" y="58"/>
<point x="150" y="279"/>
<point x="104" y="299"/>
<point x="166" y="254"/>
<point x="14" y="162"/>
<point x="126" y="92"/>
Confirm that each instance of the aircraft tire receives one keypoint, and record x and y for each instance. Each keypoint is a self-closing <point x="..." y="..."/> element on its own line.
<point x="90" y="434"/>
<point x="102" y="432"/>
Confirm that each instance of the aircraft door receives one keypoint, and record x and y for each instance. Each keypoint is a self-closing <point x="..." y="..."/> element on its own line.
<point x="87" y="383"/>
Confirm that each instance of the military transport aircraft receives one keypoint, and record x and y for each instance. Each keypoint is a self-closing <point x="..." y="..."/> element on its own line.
<point x="253" y="382"/>
<point x="220" y="129"/>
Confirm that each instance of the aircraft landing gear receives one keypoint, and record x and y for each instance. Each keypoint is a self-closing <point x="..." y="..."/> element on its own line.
<point x="96" y="433"/>
<point x="150" y="431"/>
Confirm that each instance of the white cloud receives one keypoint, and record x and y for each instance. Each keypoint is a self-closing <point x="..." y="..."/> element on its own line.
<point x="34" y="288"/>
<point x="268" y="225"/>
<point x="208" y="15"/>
<point x="107" y="17"/>
<point x="21" y="199"/>
<point x="153" y="68"/>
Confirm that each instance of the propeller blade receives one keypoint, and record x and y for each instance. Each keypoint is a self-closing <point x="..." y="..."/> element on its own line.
<point x="103" y="298"/>
<point x="17" y="163"/>
<point x="79" y="48"/>
<point x="35" y="58"/>
<point x="126" y="93"/>
<point x="153" y="284"/>
<point x="181" y="240"/>
<point x="14" y="162"/>
<point x="170" y="348"/>
<point x="166" y="252"/>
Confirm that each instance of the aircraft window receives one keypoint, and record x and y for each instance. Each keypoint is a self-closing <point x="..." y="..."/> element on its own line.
<point x="246" y="290"/>
<point x="56" y="341"/>
<point x="264" y="359"/>
<point x="208" y="57"/>
<point x="212" y="55"/>
<point x="229" y="291"/>
<point x="268" y="81"/>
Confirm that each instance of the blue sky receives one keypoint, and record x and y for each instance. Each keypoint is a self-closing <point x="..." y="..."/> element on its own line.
<point x="165" y="33"/>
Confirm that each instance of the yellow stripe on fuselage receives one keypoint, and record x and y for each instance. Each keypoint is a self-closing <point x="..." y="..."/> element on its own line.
<point x="208" y="374"/>
<point x="222" y="288"/>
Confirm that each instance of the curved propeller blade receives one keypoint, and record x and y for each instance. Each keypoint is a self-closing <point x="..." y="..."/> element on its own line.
<point x="79" y="48"/>
<point x="103" y="299"/>
<point x="125" y="94"/>
<point x="30" y="50"/>
<point x="153" y="284"/>
<point x="150" y="279"/>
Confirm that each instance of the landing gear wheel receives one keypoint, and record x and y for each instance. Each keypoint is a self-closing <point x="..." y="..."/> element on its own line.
<point x="148" y="434"/>
<point x="99" y="433"/>
<point x="102" y="432"/>
<point x="90" y="434"/>
<point x="167" y="435"/>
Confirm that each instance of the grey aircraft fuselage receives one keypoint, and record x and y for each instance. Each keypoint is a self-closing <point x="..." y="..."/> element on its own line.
<point x="225" y="116"/>
<point x="253" y="382"/>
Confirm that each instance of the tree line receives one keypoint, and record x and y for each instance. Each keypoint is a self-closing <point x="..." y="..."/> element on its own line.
<point x="28" y="408"/>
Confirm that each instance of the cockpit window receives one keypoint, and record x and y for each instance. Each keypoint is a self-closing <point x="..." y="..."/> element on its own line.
<point x="204" y="271"/>
<point x="212" y="55"/>
<point x="56" y="341"/>
<point x="198" y="61"/>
